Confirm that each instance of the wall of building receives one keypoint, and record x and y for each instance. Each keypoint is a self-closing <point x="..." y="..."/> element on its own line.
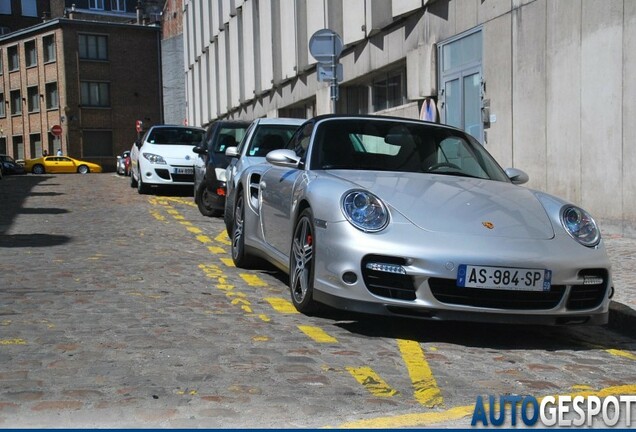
<point x="559" y="76"/>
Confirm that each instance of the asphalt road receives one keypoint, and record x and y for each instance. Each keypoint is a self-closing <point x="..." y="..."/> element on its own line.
<point x="122" y="310"/>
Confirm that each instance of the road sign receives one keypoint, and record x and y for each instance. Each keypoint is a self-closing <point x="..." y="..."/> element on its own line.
<point x="56" y="130"/>
<point x="325" y="72"/>
<point x="325" y="46"/>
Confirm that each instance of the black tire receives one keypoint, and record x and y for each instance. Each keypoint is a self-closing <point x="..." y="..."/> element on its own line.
<point x="239" y="255"/>
<point x="203" y="203"/>
<point x="142" y="188"/>
<point x="37" y="169"/>
<point x="301" y="264"/>
<point x="83" y="169"/>
<point x="133" y="182"/>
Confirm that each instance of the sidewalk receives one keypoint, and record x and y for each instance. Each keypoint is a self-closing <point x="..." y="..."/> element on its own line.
<point x="622" y="253"/>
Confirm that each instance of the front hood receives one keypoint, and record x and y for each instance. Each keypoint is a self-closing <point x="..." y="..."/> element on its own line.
<point x="458" y="205"/>
<point x="173" y="154"/>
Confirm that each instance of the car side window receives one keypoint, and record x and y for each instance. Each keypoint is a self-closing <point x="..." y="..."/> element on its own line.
<point x="245" y="138"/>
<point x="299" y="143"/>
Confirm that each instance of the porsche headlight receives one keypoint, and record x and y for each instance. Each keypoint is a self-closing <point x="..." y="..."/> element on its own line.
<point x="155" y="159"/>
<point x="580" y="225"/>
<point x="365" y="211"/>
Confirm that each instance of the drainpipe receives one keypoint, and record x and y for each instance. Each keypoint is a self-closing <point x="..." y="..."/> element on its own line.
<point x="139" y="8"/>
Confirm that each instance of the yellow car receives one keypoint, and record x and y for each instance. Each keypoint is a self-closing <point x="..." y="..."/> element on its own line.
<point x="60" y="164"/>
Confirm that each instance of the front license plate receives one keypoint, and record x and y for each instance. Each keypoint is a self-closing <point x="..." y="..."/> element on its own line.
<point x="507" y="278"/>
<point x="183" y="171"/>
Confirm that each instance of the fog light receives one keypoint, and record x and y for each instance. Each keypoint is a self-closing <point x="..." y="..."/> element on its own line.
<point x="349" y="278"/>
<point x="386" y="268"/>
<point x="592" y="280"/>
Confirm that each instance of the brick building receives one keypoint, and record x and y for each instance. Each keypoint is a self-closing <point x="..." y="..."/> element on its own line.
<point x="94" y="79"/>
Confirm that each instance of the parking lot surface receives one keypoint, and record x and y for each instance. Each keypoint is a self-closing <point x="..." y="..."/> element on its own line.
<point x="124" y="310"/>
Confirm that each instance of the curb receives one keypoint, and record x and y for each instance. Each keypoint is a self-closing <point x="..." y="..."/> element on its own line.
<point x="622" y="319"/>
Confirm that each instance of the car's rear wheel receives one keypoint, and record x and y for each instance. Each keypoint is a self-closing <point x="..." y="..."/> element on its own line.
<point x="204" y="202"/>
<point x="38" y="169"/>
<point x="301" y="264"/>
<point x="239" y="255"/>
<point x="142" y="188"/>
<point x="82" y="169"/>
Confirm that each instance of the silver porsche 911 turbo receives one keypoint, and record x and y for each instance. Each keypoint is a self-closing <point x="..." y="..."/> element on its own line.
<point x="402" y="217"/>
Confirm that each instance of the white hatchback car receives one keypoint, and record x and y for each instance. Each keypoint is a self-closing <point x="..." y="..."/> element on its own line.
<point x="164" y="157"/>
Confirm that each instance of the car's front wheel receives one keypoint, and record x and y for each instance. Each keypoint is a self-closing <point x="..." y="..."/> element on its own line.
<point x="240" y="257"/>
<point x="301" y="264"/>
<point x="204" y="202"/>
<point x="82" y="169"/>
<point x="38" y="169"/>
<point x="142" y="188"/>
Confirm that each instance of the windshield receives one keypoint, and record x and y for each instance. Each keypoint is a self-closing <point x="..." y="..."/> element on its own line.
<point x="175" y="136"/>
<point x="270" y="137"/>
<point x="382" y="145"/>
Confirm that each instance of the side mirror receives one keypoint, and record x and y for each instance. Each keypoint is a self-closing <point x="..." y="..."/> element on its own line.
<point x="138" y="143"/>
<point x="200" y="150"/>
<point x="283" y="158"/>
<point x="231" y="152"/>
<point x="517" y="176"/>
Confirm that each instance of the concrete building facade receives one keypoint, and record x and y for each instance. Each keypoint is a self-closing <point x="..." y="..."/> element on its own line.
<point x="174" y="101"/>
<point x="547" y="86"/>
<point x="94" y="79"/>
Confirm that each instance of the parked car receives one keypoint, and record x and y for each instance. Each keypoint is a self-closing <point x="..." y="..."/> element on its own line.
<point x="164" y="157"/>
<point x="123" y="163"/>
<point x="402" y="217"/>
<point x="9" y="166"/>
<point x="60" y="164"/>
<point x="263" y="136"/>
<point x="210" y="165"/>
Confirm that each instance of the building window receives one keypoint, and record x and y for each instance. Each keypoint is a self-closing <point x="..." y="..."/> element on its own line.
<point x="5" y="7"/>
<point x="118" y="5"/>
<point x="30" y="53"/>
<point x="3" y="145"/>
<point x="14" y="58"/>
<point x="35" y="144"/>
<point x="33" y="99"/>
<point x="18" y="147"/>
<point x="29" y="8"/>
<point x="49" y="48"/>
<point x="96" y="4"/>
<point x="52" y="99"/>
<point x="388" y="91"/>
<point x="16" y="102"/>
<point x="93" y="47"/>
<point x="3" y="112"/>
<point x="95" y="94"/>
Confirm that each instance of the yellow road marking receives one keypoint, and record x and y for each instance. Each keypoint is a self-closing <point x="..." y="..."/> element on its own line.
<point x="223" y="238"/>
<point x="372" y="381"/>
<point x="281" y="305"/>
<point x="426" y="391"/>
<point x="252" y="280"/>
<point x="228" y="262"/>
<point x="194" y="230"/>
<point x="260" y="338"/>
<point x="317" y="334"/>
<point x="264" y="318"/>
<point x="204" y="239"/>
<point x="158" y="216"/>
<point x="216" y="250"/>
<point x="621" y="353"/>
<point x="15" y="341"/>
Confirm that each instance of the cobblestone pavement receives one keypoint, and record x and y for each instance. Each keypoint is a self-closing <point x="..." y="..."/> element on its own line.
<point x="122" y="310"/>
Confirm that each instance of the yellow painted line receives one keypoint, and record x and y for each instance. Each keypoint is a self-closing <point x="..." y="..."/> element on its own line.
<point x="621" y="353"/>
<point x="179" y="217"/>
<point x="172" y="211"/>
<point x="15" y="341"/>
<point x="317" y="334"/>
<point x="252" y="280"/>
<point x="216" y="249"/>
<point x="194" y="230"/>
<point x="372" y="381"/>
<point x="426" y="391"/>
<point x="158" y="216"/>
<point x="204" y="239"/>
<point x="228" y="262"/>
<point x="264" y="318"/>
<point x="260" y="338"/>
<point x="281" y="305"/>
<point x="223" y="238"/>
<point x="185" y="223"/>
